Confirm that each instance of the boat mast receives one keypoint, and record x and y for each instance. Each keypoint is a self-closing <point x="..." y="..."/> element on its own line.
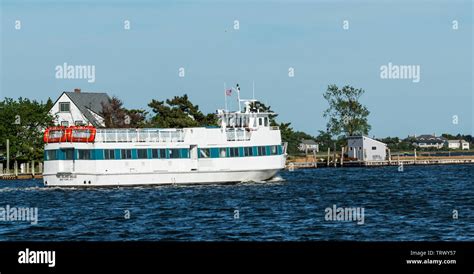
<point x="225" y="98"/>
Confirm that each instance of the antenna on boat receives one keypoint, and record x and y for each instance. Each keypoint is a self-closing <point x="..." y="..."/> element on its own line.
<point x="238" y="96"/>
<point x="253" y="90"/>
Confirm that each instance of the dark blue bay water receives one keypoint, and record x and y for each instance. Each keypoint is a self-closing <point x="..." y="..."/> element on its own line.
<point x="416" y="204"/>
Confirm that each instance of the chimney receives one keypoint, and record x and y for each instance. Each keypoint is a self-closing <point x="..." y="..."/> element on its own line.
<point x="77" y="90"/>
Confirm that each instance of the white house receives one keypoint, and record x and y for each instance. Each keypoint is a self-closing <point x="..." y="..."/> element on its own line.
<point x="79" y="108"/>
<point x="453" y="144"/>
<point x="308" y="145"/>
<point x="427" y="141"/>
<point x="366" y="149"/>
<point x="464" y="145"/>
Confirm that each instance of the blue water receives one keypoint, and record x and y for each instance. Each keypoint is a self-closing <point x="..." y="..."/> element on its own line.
<point x="416" y="204"/>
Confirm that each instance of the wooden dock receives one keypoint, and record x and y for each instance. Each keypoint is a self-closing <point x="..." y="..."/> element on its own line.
<point x="431" y="161"/>
<point x="20" y="176"/>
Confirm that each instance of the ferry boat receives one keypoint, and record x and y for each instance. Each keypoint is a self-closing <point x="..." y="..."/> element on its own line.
<point x="244" y="147"/>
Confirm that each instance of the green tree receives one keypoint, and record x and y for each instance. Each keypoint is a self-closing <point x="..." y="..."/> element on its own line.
<point x="254" y="106"/>
<point x="116" y="116"/>
<point x="292" y="137"/>
<point x="347" y="116"/>
<point x="23" y="122"/>
<point x="324" y="140"/>
<point x="179" y="112"/>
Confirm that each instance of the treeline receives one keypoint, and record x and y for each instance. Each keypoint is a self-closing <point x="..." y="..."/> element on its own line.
<point x="406" y="144"/>
<point x="178" y="112"/>
<point x="22" y="122"/>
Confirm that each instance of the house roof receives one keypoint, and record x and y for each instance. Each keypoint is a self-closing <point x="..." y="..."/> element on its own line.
<point x="87" y="102"/>
<point x="365" y="137"/>
<point x="308" y="142"/>
<point x="430" y="139"/>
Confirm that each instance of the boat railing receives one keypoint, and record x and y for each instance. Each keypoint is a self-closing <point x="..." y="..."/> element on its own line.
<point x="238" y="134"/>
<point x="139" y="135"/>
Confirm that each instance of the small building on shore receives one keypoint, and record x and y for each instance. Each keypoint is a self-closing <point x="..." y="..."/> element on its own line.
<point x="453" y="144"/>
<point x="308" y="146"/>
<point x="364" y="149"/>
<point x="79" y="108"/>
<point x="457" y="144"/>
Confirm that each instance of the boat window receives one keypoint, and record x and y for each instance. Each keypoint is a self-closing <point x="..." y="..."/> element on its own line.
<point x="163" y="153"/>
<point x="261" y="151"/>
<point x="273" y="150"/>
<point x="109" y="154"/>
<point x="222" y="152"/>
<point x="142" y="153"/>
<point x="204" y="153"/>
<point x="84" y="154"/>
<point x="174" y="153"/>
<point x="248" y="151"/>
<point x="51" y="155"/>
<point x="259" y="121"/>
<point x="265" y="120"/>
<point x="126" y="154"/>
<point x="68" y="154"/>
<point x="374" y="148"/>
<point x="234" y="152"/>
<point x="64" y="123"/>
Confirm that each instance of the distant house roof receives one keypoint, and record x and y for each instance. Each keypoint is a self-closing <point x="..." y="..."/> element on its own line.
<point x="87" y="102"/>
<point x="430" y="139"/>
<point x="308" y="142"/>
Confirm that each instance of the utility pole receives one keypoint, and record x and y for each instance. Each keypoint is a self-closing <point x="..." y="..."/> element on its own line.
<point x="342" y="156"/>
<point x="315" y="159"/>
<point x="8" y="156"/>
<point x="329" y="152"/>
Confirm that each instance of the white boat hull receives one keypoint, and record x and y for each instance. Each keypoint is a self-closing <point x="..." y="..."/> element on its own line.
<point x="113" y="180"/>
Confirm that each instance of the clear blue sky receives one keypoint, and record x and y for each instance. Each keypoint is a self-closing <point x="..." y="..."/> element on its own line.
<point x="142" y="63"/>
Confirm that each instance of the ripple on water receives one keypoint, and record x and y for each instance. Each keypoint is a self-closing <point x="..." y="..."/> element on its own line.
<point x="416" y="204"/>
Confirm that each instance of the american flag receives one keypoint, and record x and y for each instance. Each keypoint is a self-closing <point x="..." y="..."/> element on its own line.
<point x="228" y="92"/>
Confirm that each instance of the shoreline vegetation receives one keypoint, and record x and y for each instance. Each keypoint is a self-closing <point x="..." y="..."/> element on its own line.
<point x="23" y="121"/>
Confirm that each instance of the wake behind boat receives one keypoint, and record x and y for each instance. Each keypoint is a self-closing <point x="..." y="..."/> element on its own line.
<point x="243" y="148"/>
